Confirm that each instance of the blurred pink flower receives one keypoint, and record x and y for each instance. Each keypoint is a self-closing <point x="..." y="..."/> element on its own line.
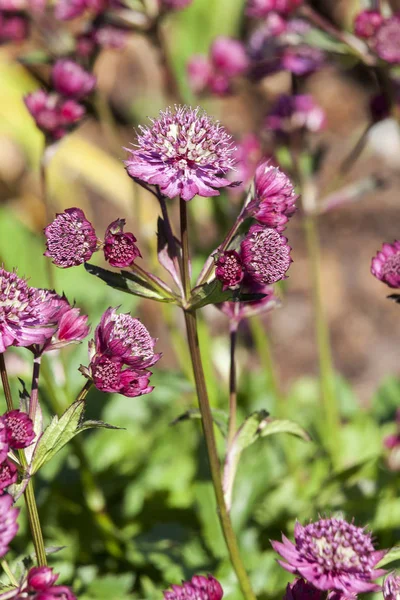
<point x="386" y="40"/>
<point x="265" y="255"/>
<point x="247" y="156"/>
<point x="53" y="114"/>
<point x="71" y="80"/>
<point x="8" y="474"/>
<point x="8" y="522"/>
<point x="367" y="22"/>
<point x="228" y="56"/>
<point x="70" y="239"/>
<point x="302" y="60"/>
<point x="199" y="71"/>
<point x="120" y="249"/>
<point x="291" y="113"/>
<point x="13" y="28"/>
<point x="385" y="265"/>
<point x="41" y="578"/>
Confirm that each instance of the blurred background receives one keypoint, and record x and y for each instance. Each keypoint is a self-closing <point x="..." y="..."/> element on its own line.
<point x="134" y="509"/>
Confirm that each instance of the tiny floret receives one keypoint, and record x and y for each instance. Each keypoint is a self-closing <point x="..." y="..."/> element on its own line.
<point x="332" y="554"/>
<point x="198" y="588"/>
<point x="8" y="522"/>
<point x="229" y="269"/>
<point x="385" y="265"/>
<point x="71" y="239"/>
<point x="120" y="249"/>
<point x="265" y="255"/>
<point x="184" y="152"/>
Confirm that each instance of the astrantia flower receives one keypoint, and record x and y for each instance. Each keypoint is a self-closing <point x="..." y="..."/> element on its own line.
<point x="391" y="586"/>
<point x="111" y="375"/>
<point x="229" y="56"/>
<point x="198" y="588"/>
<point x="261" y="8"/>
<point x="120" y="249"/>
<point x="265" y="255"/>
<point x="386" y="264"/>
<point x="387" y="40"/>
<point x="274" y="197"/>
<point x="39" y="585"/>
<point x="332" y="554"/>
<point x="8" y="522"/>
<point x="19" y="429"/>
<point x="71" y="239"/>
<point x="184" y="152"/>
<point x="8" y="474"/>
<point x="302" y="590"/>
<point x="367" y="23"/>
<point x="4" y="446"/>
<point x="13" y="27"/>
<point x="71" y="80"/>
<point x="229" y="269"/>
<point x="25" y="319"/>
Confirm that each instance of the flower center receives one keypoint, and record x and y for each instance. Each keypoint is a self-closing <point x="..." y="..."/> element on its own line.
<point x="391" y="265"/>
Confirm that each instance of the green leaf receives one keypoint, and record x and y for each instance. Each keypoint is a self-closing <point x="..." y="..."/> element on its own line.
<point x="256" y="426"/>
<point x="220" y="419"/>
<point x="212" y="293"/>
<point x="391" y="556"/>
<point x="60" y="432"/>
<point x="129" y="283"/>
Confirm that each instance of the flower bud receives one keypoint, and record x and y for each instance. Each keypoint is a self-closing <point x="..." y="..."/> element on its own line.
<point x="41" y="578"/>
<point x="71" y="80"/>
<point x="120" y="249"/>
<point x="385" y="265"/>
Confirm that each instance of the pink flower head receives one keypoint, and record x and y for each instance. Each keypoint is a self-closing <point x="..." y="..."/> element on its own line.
<point x="8" y="474"/>
<point x="367" y="23"/>
<point x="25" y="319"/>
<point x="293" y="113"/>
<point x="385" y="265"/>
<point x="110" y="375"/>
<point x="228" y="56"/>
<point x="198" y="588"/>
<point x="19" y="429"/>
<point x="199" y="71"/>
<point x="237" y="311"/>
<point x="302" y="590"/>
<point x="184" y="152"/>
<point x="57" y="592"/>
<point x="387" y="40"/>
<point x="120" y="249"/>
<point x="176" y="4"/>
<point x="391" y="587"/>
<point x="229" y="269"/>
<point x="261" y="8"/>
<point x="53" y="114"/>
<point x="71" y="239"/>
<point x="265" y="255"/>
<point x="13" y="28"/>
<point x="302" y="60"/>
<point x="123" y="337"/>
<point x="71" y="80"/>
<point x="332" y="554"/>
<point x="4" y="447"/>
<point x="69" y="9"/>
<point x="8" y="522"/>
<point x="274" y="200"/>
<point x="41" y="578"/>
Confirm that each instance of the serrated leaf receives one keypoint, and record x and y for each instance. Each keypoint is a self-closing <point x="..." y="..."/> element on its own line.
<point x="220" y="419"/>
<point x="61" y="431"/>
<point x="257" y="425"/>
<point x="391" y="556"/>
<point x="129" y="283"/>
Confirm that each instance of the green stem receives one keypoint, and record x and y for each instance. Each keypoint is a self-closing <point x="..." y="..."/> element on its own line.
<point x="327" y="383"/>
<point x="232" y="384"/>
<point x="9" y="573"/>
<point x="6" y="383"/>
<point x="207" y="422"/>
<point x="34" y="523"/>
<point x="153" y="281"/>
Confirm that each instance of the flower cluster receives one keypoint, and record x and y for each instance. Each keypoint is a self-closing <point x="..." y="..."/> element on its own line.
<point x="199" y="588"/>
<point x="332" y="555"/>
<point x="184" y="152"/>
<point x="71" y="240"/>
<point x="385" y="265"/>
<point x="381" y="33"/>
<point x="227" y="60"/>
<point x="120" y="355"/>
<point x="56" y="112"/>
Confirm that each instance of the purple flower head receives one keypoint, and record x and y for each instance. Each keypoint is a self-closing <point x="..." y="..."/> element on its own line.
<point x="302" y="590"/>
<point x="71" y="80"/>
<point x="41" y="578"/>
<point x="391" y="587"/>
<point x="274" y="200"/>
<point x="261" y="8"/>
<point x="19" y="428"/>
<point x="8" y="474"/>
<point x="109" y="375"/>
<point x="13" y="28"/>
<point x="71" y="239"/>
<point x="385" y="265"/>
<point x="199" y="71"/>
<point x="25" y="319"/>
<point x="228" y="56"/>
<point x="199" y="588"/>
<point x="334" y="555"/>
<point x="293" y="113"/>
<point x="184" y="152"/>
<point x="302" y="60"/>
<point x="367" y="22"/>
<point x="120" y="249"/>
<point x="69" y="9"/>
<point x="229" y="269"/>
<point x="53" y="114"/>
<point x="387" y="40"/>
<point x="175" y="4"/>
<point x="265" y="255"/>
<point x="237" y="311"/>
<point x="57" y="592"/>
<point x="123" y="337"/>
<point x="8" y="522"/>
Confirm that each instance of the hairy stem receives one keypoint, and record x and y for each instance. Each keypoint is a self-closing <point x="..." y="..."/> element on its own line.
<point x="207" y="422"/>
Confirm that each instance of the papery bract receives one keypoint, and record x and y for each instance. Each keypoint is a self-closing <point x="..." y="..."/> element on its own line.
<point x="70" y="238"/>
<point x="265" y="255"/>
<point x="385" y="265"/>
<point x="333" y="555"/>
<point x="19" y="429"/>
<point x="119" y="248"/>
<point x="184" y="152"/>
<point x="302" y="590"/>
<point x="198" y="588"/>
<point x="8" y="522"/>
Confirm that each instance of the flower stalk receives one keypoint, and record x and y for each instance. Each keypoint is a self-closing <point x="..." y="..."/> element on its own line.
<point x="232" y="384"/>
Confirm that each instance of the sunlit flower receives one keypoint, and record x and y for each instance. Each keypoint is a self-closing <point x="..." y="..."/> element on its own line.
<point x="198" y="588"/>
<point x="265" y="255"/>
<point x="184" y="152"/>
<point x="334" y="555"/>
<point x="385" y="265"/>
<point x="70" y="239"/>
<point x="111" y="375"/>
